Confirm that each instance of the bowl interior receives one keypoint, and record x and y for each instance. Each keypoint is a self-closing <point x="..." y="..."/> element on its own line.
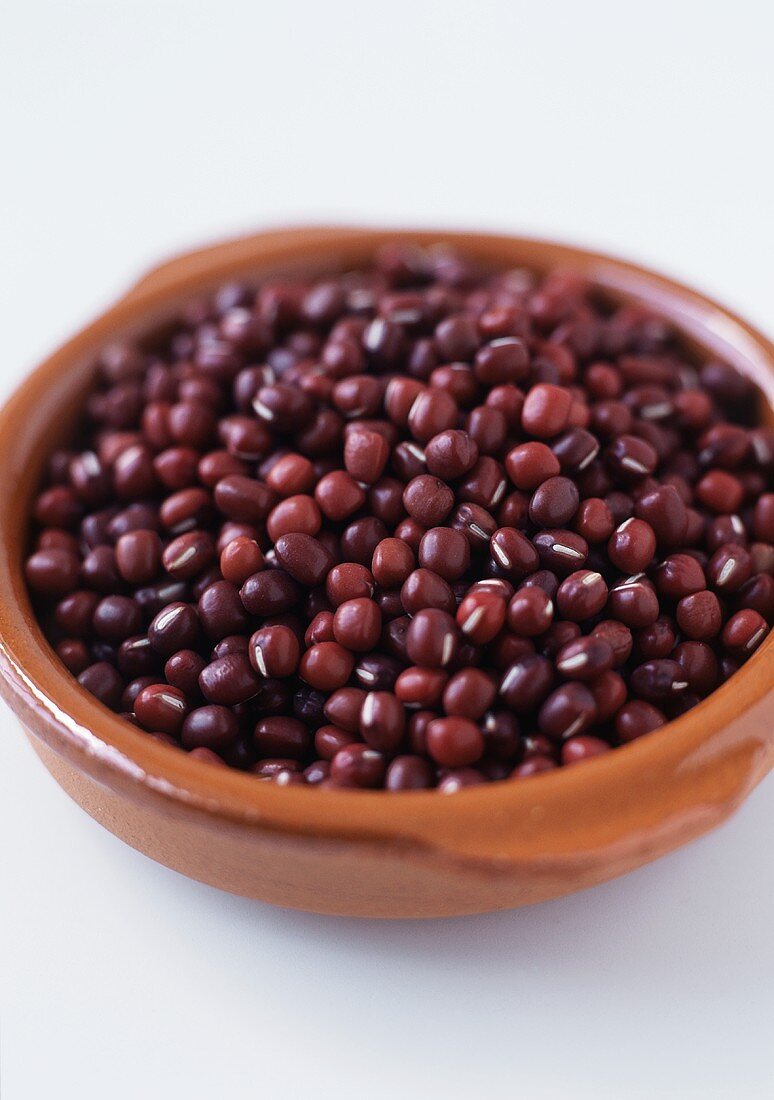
<point x="506" y="817"/>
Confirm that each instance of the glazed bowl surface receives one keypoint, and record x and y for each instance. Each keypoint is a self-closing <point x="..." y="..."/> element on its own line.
<point x="363" y="853"/>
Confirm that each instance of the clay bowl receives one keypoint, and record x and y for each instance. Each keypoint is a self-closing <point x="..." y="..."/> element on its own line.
<point x="368" y="853"/>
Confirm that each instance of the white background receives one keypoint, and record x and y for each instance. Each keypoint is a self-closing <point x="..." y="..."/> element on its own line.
<point x="133" y="129"/>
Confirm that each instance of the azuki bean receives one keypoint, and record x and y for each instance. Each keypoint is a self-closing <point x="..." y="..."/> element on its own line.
<point x="433" y="638"/>
<point x="221" y="609"/>
<point x="269" y="592"/>
<point x="585" y="658"/>
<point x="183" y="669"/>
<point x="526" y="683"/>
<point x="281" y="737"/>
<point x="568" y="710"/>
<point x="309" y="510"/>
<point x="469" y="693"/>
<point x="103" y="681"/>
<point x="658" y="680"/>
<point x="454" y="742"/>
<point x="161" y="707"/>
<point x="744" y="632"/>
<point x="554" y="502"/>
<point x="229" y="680"/>
<point x="581" y="595"/>
<point x="52" y="572"/>
<point x="699" y="615"/>
<point x="358" y="765"/>
<point x="409" y="773"/>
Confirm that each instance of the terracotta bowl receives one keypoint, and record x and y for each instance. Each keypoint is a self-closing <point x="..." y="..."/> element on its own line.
<point x="369" y="853"/>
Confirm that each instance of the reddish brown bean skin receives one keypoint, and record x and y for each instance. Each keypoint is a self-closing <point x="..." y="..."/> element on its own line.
<point x="326" y="666"/>
<point x="422" y="526"/>
<point x="274" y="651"/>
<point x="392" y="563"/>
<point x="138" y="556"/>
<point x="304" y="558"/>
<point x="546" y="411"/>
<point x="454" y="742"/>
<point x="52" y="572"/>
<point x="357" y="625"/>
<point x="409" y="773"/>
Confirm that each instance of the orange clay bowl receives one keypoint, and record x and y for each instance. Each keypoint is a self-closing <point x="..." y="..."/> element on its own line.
<point x="369" y="853"/>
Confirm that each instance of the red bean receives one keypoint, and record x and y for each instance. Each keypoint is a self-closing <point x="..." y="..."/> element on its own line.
<point x="52" y="572"/>
<point x="546" y="410"/>
<point x="304" y="558"/>
<point x="634" y="602"/>
<point x="358" y="766"/>
<point x="433" y="638"/>
<point x="530" y="612"/>
<point x="454" y="742"/>
<point x="666" y="513"/>
<point x="699" y="615"/>
<point x="632" y="546"/>
<point x="585" y="659"/>
<point x="636" y="719"/>
<point x="189" y="555"/>
<point x="274" y="651"/>
<point x="357" y="625"/>
<point x="610" y="691"/>
<point x="228" y="681"/>
<point x="103" y="681"/>
<point x="594" y="521"/>
<point x="240" y="558"/>
<point x="361" y="530"/>
<point x="138" y="556"/>
<point x="513" y="552"/>
<point x="679" y="575"/>
<point x="281" y="736"/>
<point x="481" y="616"/>
<point x="349" y="581"/>
<point x="699" y="665"/>
<point x="365" y="455"/>
<point x="326" y="666"/>
<point x="530" y="464"/>
<point x="445" y="552"/>
<point x="720" y="491"/>
<point x="338" y="495"/>
<point x="763" y="518"/>
<point x="618" y="636"/>
<point x="729" y="567"/>
<point x="577" y="749"/>
<point x="658" y="680"/>
<point x="744" y="632"/>
<point x="161" y="707"/>
<point x="526" y="683"/>
<point x="484" y="485"/>
<point x="450" y="454"/>
<point x="554" y="502"/>
<point x="469" y="693"/>
<point x="269" y="592"/>
<point x="431" y="413"/>
<point x="581" y="595"/>
<point x="409" y="773"/>
<point x="382" y="721"/>
<point x="422" y="589"/>
<point x="294" y="515"/>
<point x="561" y="551"/>
<point x="116" y="618"/>
<point x="568" y="710"/>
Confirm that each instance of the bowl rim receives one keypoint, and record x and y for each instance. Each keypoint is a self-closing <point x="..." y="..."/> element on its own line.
<point x="501" y="818"/>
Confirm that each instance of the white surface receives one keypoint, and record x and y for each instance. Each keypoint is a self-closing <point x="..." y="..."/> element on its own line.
<point x="133" y="129"/>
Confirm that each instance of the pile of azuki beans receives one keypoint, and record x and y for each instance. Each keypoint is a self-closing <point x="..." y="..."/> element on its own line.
<point x="421" y="525"/>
